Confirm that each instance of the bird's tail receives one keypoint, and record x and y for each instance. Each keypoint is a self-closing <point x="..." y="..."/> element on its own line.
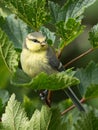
<point x="69" y="92"/>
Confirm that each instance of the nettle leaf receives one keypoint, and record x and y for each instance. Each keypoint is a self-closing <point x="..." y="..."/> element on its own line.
<point x="20" y="78"/>
<point x="8" y="53"/>
<point x="14" y="116"/>
<point x="40" y="119"/>
<point x="46" y="119"/>
<point x="56" y="121"/>
<point x="4" y="73"/>
<point x="4" y="96"/>
<point x="68" y="31"/>
<point x="70" y="118"/>
<point x="87" y="77"/>
<point x="49" y="35"/>
<point x="1" y="107"/>
<point x="44" y="81"/>
<point x="76" y="8"/>
<point x="55" y="11"/>
<point x="34" y="13"/>
<point x="92" y="91"/>
<point x="30" y="105"/>
<point x="87" y="121"/>
<point x="65" y="104"/>
<point x="16" y="29"/>
<point x="93" y="36"/>
<point x="68" y="19"/>
<point x="71" y="9"/>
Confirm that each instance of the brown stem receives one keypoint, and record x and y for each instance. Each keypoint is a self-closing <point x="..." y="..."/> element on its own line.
<point x="80" y="56"/>
<point x="73" y="106"/>
<point x="49" y="97"/>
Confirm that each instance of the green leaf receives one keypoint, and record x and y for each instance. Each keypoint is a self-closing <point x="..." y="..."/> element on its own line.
<point x="93" y="36"/>
<point x="76" y="8"/>
<point x="34" y="13"/>
<point x="14" y="116"/>
<point x="7" y="53"/>
<point x="87" y="121"/>
<point x="35" y="121"/>
<point x="68" y="19"/>
<point x="40" y="120"/>
<point x="16" y="29"/>
<point x="55" y="11"/>
<point x="87" y="76"/>
<point x="45" y="118"/>
<point x="65" y="104"/>
<point x="4" y="73"/>
<point x="68" y="31"/>
<point x="71" y="9"/>
<point x="20" y="78"/>
<point x="56" y="121"/>
<point x="44" y="81"/>
<point x="92" y="91"/>
<point x="49" y="35"/>
<point x="31" y="105"/>
<point x="4" y="96"/>
<point x="1" y="107"/>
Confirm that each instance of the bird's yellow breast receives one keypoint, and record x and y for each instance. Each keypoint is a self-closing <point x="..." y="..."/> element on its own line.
<point x="33" y="63"/>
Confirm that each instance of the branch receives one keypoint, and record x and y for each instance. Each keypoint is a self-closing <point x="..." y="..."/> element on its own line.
<point x="49" y="97"/>
<point x="73" y="106"/>
<point x="80" y="56"/>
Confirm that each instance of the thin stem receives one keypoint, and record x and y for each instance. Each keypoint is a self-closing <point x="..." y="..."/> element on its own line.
<point x="80" y="56"/>
<point x="49" y="97"/>
<point x="73" y="106"/>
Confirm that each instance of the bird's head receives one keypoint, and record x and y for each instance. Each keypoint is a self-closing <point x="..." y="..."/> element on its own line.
<point x="36" y="41"/>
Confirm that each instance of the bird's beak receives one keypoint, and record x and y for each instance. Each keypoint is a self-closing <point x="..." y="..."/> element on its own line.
<point x="43" y="44"/>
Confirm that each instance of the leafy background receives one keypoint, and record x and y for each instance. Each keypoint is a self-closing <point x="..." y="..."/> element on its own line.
<point x="30" y="111"/>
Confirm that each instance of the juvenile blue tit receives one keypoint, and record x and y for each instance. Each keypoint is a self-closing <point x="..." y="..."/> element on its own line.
<point x="37" y="56"/>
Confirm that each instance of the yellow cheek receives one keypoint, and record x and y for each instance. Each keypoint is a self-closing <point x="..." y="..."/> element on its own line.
<point x="33" y="46"/>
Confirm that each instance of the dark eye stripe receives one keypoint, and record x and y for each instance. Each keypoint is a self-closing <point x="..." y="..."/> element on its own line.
<point x="35" y="40"/>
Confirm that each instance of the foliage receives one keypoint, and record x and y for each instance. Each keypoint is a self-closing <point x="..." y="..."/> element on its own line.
<point x="8" y="53"/>
<point x="31" y="12"/>
<point x="42" y="81"/>
<point x="88" y="77"/>
<point x="15" y="28"/>
<point x="87" y="121"/>
<point x="61" y="25"/>
<point x="68" y="31"/>
<point x="93" y="36"/>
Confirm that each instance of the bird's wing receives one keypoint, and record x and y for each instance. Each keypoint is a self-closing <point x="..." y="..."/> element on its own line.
<point x="53" y="60"/>
<point x="56" y="64"/>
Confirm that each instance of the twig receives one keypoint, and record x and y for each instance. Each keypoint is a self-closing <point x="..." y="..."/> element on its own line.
<point x="80" y="56"/>
<point x="73" y="106"/>
<point x="49" y="98"/>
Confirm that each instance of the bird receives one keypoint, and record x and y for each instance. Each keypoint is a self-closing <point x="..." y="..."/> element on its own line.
<point x="38" y="56"/>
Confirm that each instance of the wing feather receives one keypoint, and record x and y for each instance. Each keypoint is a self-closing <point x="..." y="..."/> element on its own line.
<point x="53" y="60"/>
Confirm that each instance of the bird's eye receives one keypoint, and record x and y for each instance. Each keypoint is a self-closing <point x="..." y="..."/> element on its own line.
<point x="35" y="40"/>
